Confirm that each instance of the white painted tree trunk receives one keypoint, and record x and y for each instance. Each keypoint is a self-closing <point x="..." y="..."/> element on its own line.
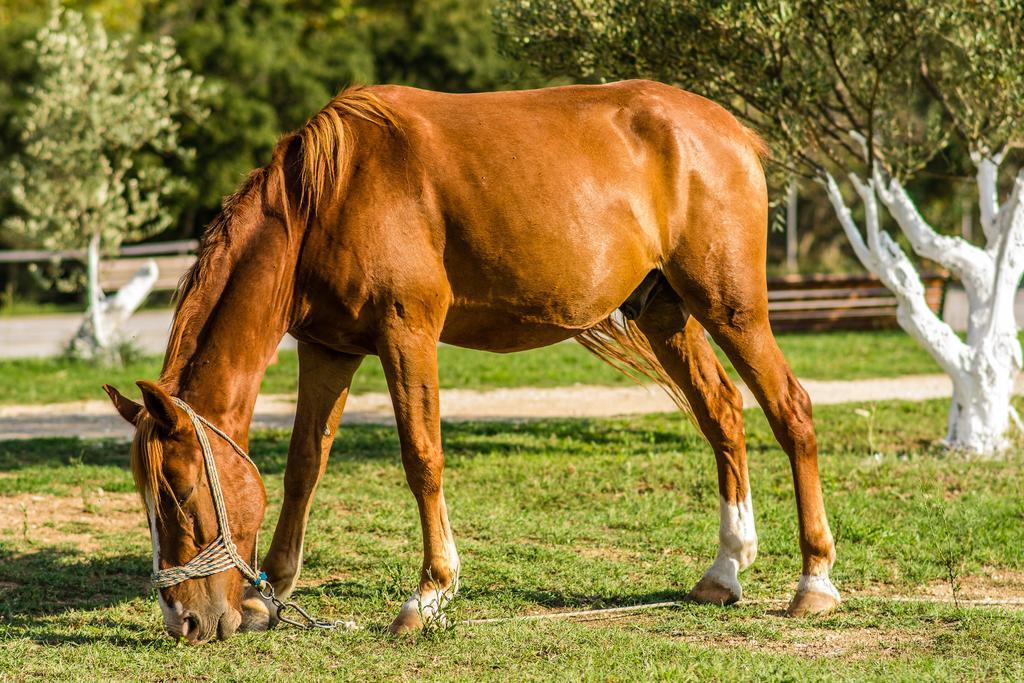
<point x="99" y="338"/>
<point x="984" y="366"/>
<point x="106" y="315"/>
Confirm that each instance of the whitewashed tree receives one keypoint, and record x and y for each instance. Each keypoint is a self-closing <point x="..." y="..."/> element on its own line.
<point x="864" y="97"/>
<point x="100" y="125"/>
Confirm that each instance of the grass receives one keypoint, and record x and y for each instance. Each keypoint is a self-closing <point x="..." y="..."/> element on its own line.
<point x="836" y="355"/>
<point x="23" y="308"/>
<point x="549" y="515"/>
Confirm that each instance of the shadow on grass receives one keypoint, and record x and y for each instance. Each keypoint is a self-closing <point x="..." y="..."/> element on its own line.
<point x="362" y="442"/>
<point x="113" y="632"/>
<point x="526" y="597"/>
<point x="50" y="581"/>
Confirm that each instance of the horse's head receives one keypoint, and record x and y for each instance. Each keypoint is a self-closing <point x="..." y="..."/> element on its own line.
<point x="171" y="476"/>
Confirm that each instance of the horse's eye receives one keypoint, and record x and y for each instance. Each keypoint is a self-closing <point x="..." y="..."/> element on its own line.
<point x="183" y="483"/>
<point x="183" y="496"/>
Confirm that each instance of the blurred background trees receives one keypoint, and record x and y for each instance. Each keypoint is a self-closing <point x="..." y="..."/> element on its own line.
<point x="271" y="64"/>
<point x="274" y="62"/>
<point x="98" y="129"/>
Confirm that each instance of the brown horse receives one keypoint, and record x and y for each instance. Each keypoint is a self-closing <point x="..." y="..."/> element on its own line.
<point x="397" y="218"/>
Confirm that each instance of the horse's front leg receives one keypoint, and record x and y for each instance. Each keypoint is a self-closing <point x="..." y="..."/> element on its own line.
<point x="324" y="380"/>
<point x="409" y="358"/>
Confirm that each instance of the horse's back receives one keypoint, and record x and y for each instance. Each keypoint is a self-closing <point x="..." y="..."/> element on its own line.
<point x="546" y="208"/>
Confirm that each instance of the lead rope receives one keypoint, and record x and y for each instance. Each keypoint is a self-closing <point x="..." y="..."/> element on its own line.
<point x="222" y="554"/>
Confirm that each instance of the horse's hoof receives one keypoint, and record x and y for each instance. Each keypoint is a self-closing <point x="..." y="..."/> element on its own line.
<point x="406" y="623"/>
<point x="257" y="613"/>
<point x="814" y="595"/>
<point x="709" y="591"/>
<point x="421" y="610"/>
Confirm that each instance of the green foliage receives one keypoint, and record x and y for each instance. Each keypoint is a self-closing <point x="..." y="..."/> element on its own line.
<point x="902" y="74"/>
<point x="277" y="62"/>
<point x="439" y="44"/>
<point x="270" y="64"/>
<point x="101" y="117"/>
<point x="267" y="82"/>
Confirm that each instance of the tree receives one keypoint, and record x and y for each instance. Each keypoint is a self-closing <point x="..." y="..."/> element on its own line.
<point x="872" y="96"/>
<point x="101" y="119"/>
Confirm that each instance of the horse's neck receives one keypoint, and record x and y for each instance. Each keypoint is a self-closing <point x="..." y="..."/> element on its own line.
<point x="225" y="343"/>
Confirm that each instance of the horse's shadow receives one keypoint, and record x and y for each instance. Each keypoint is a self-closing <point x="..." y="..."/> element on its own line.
<point x="511" y="599"/>
<point x="37" y="585"/>
<point x="51" y="580"/>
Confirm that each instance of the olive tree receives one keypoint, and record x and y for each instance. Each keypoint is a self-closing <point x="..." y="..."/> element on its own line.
<point x="861" y="97"/>
<point x="100" y="122"/>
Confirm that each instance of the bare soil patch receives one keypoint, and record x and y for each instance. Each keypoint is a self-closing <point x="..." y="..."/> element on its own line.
<point x="853" y="644"/>
<point x="44" y="519"/>
<point x="993" y="583"/>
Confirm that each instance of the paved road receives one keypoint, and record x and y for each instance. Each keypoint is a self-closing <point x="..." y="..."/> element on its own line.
<point x="96" y="419"/>
<point x="46" y="335"/>
<point x="42" y="336"/>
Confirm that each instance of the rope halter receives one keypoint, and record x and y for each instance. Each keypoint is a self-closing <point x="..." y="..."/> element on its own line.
<point x="221" y="554"/>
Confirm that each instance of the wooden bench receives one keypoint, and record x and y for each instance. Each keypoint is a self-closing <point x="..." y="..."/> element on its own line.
<point x="840" y="302"/>
<point x="115" y="272"/>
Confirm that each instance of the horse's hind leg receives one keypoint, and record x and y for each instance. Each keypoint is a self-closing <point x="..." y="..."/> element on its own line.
<point x="682" y="347"/>
<point x="409" y="358"/>
<point x="725" y="290"/>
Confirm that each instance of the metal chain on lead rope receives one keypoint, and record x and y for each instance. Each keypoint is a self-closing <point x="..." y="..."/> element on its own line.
<point x="221" y="554"/>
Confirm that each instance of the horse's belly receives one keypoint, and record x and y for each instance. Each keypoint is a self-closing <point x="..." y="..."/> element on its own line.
<point x="501" y="331"/>
<point x="537" y="301"/>
<point x="536" y="282"/>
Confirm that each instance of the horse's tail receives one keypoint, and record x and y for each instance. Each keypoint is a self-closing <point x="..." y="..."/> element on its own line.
<point x="757" y="143"/>
<point x="620" y="343"/>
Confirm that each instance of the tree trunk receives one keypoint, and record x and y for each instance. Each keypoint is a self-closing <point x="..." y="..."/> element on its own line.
<point x="105" y="316"/>
<point x="979" y="417"/>
<point x="97" y="337"/>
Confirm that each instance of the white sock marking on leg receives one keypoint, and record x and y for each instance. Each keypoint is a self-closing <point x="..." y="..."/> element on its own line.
<point x="817" y="583"/>
<point x="737" y="543"/>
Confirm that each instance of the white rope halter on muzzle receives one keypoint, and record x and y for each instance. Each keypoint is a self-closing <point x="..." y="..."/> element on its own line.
<point x="221" y="554"/>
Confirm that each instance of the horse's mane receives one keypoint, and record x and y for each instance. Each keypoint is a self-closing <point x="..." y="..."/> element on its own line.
<point x="147" y="457"/>
<point x="326" y="140"/>
<point x="216" y="239"/>
<point x="324" y="146"/>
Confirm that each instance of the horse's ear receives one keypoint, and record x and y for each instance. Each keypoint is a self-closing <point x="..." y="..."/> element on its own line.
<point x="128" y="408"/>
<point x="161" y="408"/>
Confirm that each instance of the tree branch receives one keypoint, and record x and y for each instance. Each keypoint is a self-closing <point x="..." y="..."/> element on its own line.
<point x="987" y="177"/>
<point x="971" y="265"/>
<point x="883" y="257"/>
<point x="1009" y="265"/>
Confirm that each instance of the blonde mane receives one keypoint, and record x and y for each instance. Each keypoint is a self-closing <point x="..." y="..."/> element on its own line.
<point x="147" y="457"/>
<point x="326" y="139"/>
<point x="325" y="147"/>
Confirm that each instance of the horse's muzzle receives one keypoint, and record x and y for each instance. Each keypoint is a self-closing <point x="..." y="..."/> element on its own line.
<point x="197" y="628"/>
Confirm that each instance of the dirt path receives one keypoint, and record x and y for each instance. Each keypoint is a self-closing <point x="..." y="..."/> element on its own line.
<point x="95" y="419"/>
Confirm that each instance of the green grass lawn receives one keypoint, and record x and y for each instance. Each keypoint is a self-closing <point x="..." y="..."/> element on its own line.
<point x="836" y="355"/>
<point x="549" y="515"/>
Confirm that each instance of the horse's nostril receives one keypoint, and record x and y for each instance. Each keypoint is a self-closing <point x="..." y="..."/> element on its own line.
<point x="190" y="627"/>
